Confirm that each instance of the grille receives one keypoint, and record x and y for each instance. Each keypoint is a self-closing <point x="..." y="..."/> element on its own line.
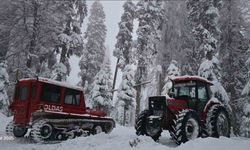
<point x="157" y="105"/>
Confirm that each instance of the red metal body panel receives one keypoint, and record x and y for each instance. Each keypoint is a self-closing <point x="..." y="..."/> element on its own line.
<point x="23" y="109"/>
<point x="176" y="105"/>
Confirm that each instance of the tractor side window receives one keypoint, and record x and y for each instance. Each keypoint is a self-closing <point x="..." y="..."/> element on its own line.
<point x="202" y="93"/>
<point x="23" y="93"/>
<point x="72" y="97"/>
<point x="51" y="93"/>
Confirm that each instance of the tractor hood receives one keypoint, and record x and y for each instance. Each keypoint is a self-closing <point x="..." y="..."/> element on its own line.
<point x="163" y="102"/>
<point x="176" y="104"/>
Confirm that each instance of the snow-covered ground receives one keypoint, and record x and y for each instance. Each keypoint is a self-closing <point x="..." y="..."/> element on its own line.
<point x="120" y="138"/>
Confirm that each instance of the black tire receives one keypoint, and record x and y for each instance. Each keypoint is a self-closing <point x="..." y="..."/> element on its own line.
<point x="15" y="130"/>
<point x="19" y="131"/>
<point x="187" y="126"/>
<point x="97" y="129"/>
<point x="108" y="127"/>
<point x="218" y="122"/>
<point x="141" y="126"/>
<point x="60" y="136"/>
<point x="72" y="135"/>
<point x="140" y="123"/>
<point x="42" y="131"/>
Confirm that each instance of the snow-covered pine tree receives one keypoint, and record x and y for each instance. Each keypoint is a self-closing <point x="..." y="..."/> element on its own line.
<point x="101" y="93"/>
<point x="71" y="40"/>
<point x="242" y="106"/>
<point x="176" y="31"/>
<point x="203" y="16"/>
<point x="245" y="122"/>
<point x="244" y="116"/>
<point x="210" y="69"/>
<point x="126" y="96"/>
<point x="94" y="50"/>
<point x="4" y="81"/>
<point x="31" y="38"/>
<point x="172" y="71"/>
<point x="232" y="54"/>
<point x="123" y="45"/>
<point x="30" y="35"/>
<point x="150" y="17"/>
<point x="4" y="44"/>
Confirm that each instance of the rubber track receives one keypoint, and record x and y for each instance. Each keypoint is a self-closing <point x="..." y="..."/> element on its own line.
<point x="35" y="130"/>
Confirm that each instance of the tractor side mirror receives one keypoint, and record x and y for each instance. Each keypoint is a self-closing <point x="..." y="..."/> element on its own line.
<point x="87" y="108"/>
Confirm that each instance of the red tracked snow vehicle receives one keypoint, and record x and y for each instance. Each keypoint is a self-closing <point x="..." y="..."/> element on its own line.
<point x="53" y="111"/>
<point x="191" y="112"/>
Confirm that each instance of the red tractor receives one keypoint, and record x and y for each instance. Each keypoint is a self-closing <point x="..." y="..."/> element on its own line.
<point x="191" y="112"/>
<point x="48" y="111"/>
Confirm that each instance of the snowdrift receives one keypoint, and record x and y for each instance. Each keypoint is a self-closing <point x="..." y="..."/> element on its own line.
<point x="124" y="138"/>
<point x="3" y="122"/>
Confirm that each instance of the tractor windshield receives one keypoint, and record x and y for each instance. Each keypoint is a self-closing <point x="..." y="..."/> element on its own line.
<point x="184" y="90"/>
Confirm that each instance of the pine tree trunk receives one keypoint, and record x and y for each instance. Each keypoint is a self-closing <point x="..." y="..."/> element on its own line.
<point x="138" y="99"/>
<point x="64" y="47"/>
<point x="124" y="116"/>
<point x="230" y="71"/>
<point x="115" y="76"/>
<point x="63" y="54"/>
<point x="29" y="62"/>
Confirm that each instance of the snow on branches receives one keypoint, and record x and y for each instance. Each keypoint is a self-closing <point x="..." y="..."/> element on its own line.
<point x="126" y="96"/>
<point x="210" y="70"/>
<point x="94" y="49"/>
<point x="4" y="81"/>
<point x="172" y="71"/>
<point x="150" y="17"/>
<point x="123" y="46"/>
<point x="101" y="94"/>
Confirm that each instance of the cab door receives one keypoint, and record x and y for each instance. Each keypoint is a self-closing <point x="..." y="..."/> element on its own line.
<point x="21" y="102"/>
<point x="203" y="97"/>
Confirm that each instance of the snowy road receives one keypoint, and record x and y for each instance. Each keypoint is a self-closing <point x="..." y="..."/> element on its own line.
<point x="121" y="138"/>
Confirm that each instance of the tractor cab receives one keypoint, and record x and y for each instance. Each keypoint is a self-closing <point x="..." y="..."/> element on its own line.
<point x="190" y="92"/>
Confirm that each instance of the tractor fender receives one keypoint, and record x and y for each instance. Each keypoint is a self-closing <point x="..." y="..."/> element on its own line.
<point x="211" y="102"/>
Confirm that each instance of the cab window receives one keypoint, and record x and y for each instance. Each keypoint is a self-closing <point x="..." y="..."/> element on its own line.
<point x="202" y="93"/>
<point x="184" y="90"/>
<point x="51" y="93"/>
<point x="72" y="97"/>
<point x="23" y="93"/>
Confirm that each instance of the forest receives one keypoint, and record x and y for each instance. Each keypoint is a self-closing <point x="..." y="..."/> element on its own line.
<point x="157" y="40"/>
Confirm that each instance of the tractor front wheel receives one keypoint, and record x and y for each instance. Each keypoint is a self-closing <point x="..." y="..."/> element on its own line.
<point x="144" y="127"/>
<point x="186" y="127"/>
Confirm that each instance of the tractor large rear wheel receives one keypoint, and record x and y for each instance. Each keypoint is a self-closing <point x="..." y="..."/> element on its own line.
<point x="144" y="127"/>
<point x="186" y="127"/>
<point x="218" y="122"/>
